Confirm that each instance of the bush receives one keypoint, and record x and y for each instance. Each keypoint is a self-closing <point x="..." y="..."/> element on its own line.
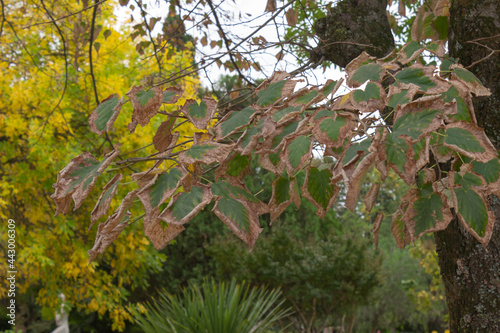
<point x="214" y="308"/>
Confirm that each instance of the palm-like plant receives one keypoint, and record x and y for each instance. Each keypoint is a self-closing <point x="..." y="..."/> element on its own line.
<point x="214" y="308"/>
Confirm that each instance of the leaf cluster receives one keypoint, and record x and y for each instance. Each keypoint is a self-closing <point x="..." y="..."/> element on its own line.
<point x="434" y="145"/>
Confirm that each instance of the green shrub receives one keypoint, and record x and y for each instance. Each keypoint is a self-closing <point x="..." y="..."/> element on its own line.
<point x="214" y="308"/>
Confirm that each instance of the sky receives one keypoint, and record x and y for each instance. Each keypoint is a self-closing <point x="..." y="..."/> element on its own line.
<point x="246" y="17"/>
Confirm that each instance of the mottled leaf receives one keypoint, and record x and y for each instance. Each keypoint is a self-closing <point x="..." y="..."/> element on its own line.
<point x="171" y="95"/>
<point x="145" y="103"/>
<point x="371" y="91"/>
<point x="185" y="205"/>
<point x="104" y="116"/>
<point x="108" y="231"/>
<point x="415" y="76"/>
<point x="201" y="113"/>
<point x="77" y="179"/>
<point x="489" y="170"/>
<point x="469" y="140"/>
<point x="298" y="152"/>
<point x="104" y="201"/>
<point x="234" y="121"/>
<point x="366" y="72"/>
<point x="431" y="212"/>
<point x="319" y="190"/>
<point x="207" y="152"/>
<point x="471" y="81"/>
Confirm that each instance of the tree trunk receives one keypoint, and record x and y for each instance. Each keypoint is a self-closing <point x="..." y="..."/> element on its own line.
<point x="471" y="275"/>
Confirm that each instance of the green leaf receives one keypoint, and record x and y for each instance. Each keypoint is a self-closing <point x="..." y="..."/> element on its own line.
<point x="167" y="96"/>
<point x="252" y="131"/>
<point x="411" y="48"/>
<point x="319" y="186"/>
<point x="473" y="209"/>
<point x="413" y="123"/>
<point x="467" y="180"/>
<point x="304" y="99"/>
<point x="428" y="208"/>
<point x="186" y="203"/>
<point x="223" y="189"/>
<point x="282" y="190"/>
<point x="297" y="149"/>
<point x="463" y="139"/>
<point x="85" y="174"/>
<point x="353" y="150"/>
<point x="466" y="75"/>
<point x="324" y="113"/>
<point x="166" y="181"/>
<point x="198" y="111"/>
<point x="271" y="94"/>
<point x="462" y="110"/>
<point x="396" y="151"/>
<point x="371" y="92"/>
<point x="105" y="111"/>
<point x="446" y="63"/>
<point x="367" y="72"/>
<point x="489" y="170"/>
<point x="415" y="76"/>
<point x="329" y="88"/>
<point x="235" y="120"/>
<point x="144" y="96"/>
<point x="440" y="24"/>
<point x="283" y="112"/>
<point x="289" y="129"/>
<point x="332" y="127"/>
<point x="399" y="99"/>
<point x="237" y="165"/>
<point x="450" y="94"/>
<point x="235" y="211"/>
<point x="198" y="151"/>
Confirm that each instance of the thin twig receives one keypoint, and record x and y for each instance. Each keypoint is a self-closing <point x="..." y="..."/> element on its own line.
<point x="214" y="60"/>
<point x="485" y="46"/>
<point x="65" y="72"/>
<point x="3" y="18"/>
<point x="143" y="14"/>
<point x="227" y="43"/>
<point x="63" y="17"/>
<point x="90" y="53"/>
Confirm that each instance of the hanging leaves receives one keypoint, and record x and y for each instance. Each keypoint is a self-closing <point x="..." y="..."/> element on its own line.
<point x="433" y="125"/>
<point x="104" y="201"/>
<point x="108" y="231"/>
<point x="77" y="179"/>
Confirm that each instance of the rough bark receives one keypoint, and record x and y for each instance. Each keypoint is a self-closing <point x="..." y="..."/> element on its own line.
<point x="470" y="273"/>
<point x="351" y="27"/>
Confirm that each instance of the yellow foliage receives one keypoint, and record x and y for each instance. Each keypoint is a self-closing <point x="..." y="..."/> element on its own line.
<point x="41" y="128"/>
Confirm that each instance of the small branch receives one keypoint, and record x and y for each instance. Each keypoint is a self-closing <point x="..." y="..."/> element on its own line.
<point x="214" y="60"/>
<point x="483" y="38"/>
<point x="485" y="46"/>
<point x="63" y="17"/>
<point x="143" y="14"/>
<point x="3" y="17"/>
<point x="143" y="159"/>
<point x="90" y="53"/>
<point x="65" y="72"/>
<point x="226" y="42"/>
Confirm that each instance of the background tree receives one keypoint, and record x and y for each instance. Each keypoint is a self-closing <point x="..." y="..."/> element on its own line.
<point x="47" y="93"/>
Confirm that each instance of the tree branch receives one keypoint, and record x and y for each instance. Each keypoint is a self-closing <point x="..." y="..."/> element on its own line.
<point x="227" y="43"/>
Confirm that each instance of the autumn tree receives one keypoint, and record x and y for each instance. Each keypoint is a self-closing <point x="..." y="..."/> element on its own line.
<point x="47" y="92"/>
